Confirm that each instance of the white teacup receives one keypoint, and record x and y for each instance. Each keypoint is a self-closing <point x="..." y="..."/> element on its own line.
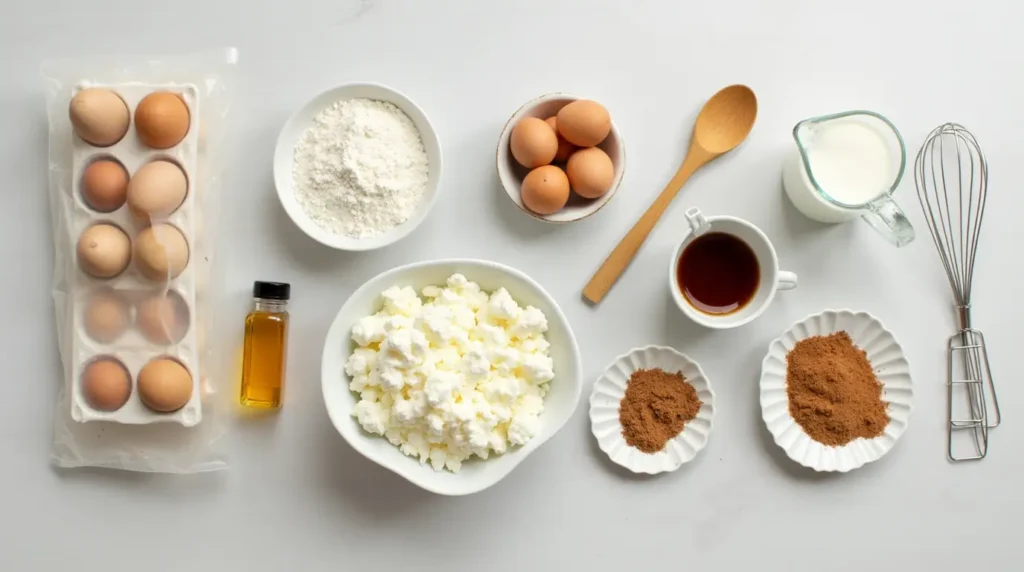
<point x="771" y="279"/>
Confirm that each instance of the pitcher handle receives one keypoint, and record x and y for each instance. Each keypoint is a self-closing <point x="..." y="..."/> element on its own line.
<point x="888" y="219"/>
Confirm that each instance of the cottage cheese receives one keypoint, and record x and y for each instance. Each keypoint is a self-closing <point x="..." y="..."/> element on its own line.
<point x="453" y="374"/>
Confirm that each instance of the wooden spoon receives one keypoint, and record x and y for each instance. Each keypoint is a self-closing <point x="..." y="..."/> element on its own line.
<point x="723" y="123"/>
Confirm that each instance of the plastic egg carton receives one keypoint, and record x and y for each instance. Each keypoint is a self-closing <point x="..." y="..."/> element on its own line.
<point x="132" y="349"/>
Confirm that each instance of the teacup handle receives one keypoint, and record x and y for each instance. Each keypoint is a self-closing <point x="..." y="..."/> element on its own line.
<point x="786" y="280"/>
<point x="698" y="224"/>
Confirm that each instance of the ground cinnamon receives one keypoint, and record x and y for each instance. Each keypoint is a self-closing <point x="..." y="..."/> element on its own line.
<point x="833" y="392"/>
<point x="655" y="408"/>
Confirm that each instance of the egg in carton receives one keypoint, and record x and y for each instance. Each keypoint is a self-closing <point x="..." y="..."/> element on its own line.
<point x="133" y="219"/>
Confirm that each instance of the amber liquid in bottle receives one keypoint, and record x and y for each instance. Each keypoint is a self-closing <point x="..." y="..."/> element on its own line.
<point x="265" y="351"/>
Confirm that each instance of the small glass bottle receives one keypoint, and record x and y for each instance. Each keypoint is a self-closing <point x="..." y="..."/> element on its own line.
<point x="266" y="346"/>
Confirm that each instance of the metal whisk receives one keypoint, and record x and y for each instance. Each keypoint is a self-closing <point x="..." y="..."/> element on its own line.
<point x="951" y="175"/>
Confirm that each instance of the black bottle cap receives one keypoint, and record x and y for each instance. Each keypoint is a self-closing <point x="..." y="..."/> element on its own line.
<point x="271" y="290"/>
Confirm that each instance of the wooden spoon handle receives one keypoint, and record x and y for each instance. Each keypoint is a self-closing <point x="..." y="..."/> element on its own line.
<point x="616" y="263"/>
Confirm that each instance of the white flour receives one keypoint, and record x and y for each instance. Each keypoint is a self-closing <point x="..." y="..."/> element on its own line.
<point x="361" y="169"/>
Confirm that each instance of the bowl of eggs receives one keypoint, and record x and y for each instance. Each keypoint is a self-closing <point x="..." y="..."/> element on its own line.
<point x="560" y="158"/>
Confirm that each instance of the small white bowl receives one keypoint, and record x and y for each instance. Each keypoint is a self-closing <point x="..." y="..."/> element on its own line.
<point x="291" y="133"/>
<point x="475" y="475"/>
<point x="512" y="173"/>
<point x="610" y="388"/>
<point x="890" y="366"/>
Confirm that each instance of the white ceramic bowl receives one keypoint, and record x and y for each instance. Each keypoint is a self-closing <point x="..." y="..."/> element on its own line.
<point x="511" y="173"/>
<point x="476" y="474"/>
<point x="610" y="388"/>
<point x="890" y="366"/>
<point x="292" y="132"/>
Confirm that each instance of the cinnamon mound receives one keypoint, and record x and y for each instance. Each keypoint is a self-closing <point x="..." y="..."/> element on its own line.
<point x="833" y="392"/>
<point x="655" y="408"/>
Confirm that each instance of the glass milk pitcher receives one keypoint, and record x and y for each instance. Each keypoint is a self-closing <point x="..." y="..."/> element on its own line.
<point x="848" y="165"/>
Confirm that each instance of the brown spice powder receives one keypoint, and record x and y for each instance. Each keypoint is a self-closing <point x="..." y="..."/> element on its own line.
<point x="833" y="392"/>
<point x="655" y="408"/>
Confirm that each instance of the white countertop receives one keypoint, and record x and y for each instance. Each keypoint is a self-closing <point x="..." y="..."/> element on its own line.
<point x="297" y="497"/>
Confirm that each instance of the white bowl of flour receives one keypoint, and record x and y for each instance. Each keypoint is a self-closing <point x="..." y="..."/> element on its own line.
<point x="357" y="168"/>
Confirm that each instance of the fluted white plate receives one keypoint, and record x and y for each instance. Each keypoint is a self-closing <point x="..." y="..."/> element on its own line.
<point x="610" y="388"/>
<point x="890" y="366"/>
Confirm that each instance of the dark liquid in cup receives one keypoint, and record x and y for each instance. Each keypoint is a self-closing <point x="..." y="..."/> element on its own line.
<point x="718" y="273"/>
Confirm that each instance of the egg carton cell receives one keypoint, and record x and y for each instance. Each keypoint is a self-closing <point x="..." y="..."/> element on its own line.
<point x="104" y="184"/>
<point x="103" y="250"/>
<point x="99" y="116"/>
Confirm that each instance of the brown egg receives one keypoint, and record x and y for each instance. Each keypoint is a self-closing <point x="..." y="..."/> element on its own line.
<point x="99" y="116"/>
<point x="564" y="147"/>
<point x="161" y="120"/>
<point x="157" y="189"/>
<point x="164" y="385"/>
<point x="104" y="250"/>
<point x="584" y="122"/>
<point x="545" y="190"/>
<point x="105" y="384"/>
<point x="162" y="318"/>
<point x="104" y="185"/>
<point x="106" y="316"/>
<point x="590" y="172"/>
<point x="161" y="252"/>
<point x="533" y="142"/>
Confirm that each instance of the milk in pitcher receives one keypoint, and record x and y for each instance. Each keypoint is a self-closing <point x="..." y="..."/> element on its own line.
<point x="841" y="165"/>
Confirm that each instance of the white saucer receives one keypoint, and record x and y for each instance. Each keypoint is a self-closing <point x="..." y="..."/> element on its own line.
<point x="890" y="366"/>
<point x="609" y="390"/>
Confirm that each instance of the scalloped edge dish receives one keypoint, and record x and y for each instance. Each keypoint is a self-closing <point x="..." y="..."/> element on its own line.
<point x="609" y="390"/>
<point x="890" y="366"/>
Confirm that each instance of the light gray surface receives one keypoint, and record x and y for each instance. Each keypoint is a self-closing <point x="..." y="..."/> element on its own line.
<point x="297" y="497"/>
